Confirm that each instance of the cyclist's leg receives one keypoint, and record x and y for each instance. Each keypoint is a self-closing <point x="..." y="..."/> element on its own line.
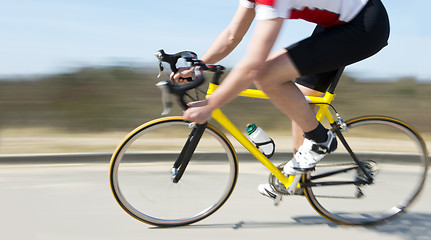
<point x="275" y="79"/>
<point x="311" y="85"/>
<point x="289" y="99"/>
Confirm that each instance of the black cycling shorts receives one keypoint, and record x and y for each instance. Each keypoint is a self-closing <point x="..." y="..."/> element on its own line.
<point x="327" y="51"/>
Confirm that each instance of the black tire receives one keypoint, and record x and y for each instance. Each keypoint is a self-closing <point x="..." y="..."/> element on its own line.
<point x="398" y="159"/>
<point x="141" y="179"/>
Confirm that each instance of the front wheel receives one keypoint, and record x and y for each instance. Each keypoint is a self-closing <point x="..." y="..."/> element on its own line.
<point x="141" y="175"/>
<point x="393" y="153"/>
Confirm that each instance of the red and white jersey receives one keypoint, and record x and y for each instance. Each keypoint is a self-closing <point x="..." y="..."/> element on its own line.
<point x="327" y="13"/>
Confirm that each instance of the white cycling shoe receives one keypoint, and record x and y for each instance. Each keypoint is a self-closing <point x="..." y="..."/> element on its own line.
<point x="309" y="154"/>
<point x="266" y="190"/>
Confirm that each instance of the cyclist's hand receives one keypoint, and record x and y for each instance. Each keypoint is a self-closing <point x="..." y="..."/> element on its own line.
<point x="198" y="112"/>
<point x="182" y="74"/>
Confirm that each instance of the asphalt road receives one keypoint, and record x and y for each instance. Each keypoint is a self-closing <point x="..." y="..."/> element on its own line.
<point x="73" y="201"/>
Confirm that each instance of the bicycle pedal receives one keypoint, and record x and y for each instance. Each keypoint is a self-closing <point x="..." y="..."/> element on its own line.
<point x="277" y="200"/>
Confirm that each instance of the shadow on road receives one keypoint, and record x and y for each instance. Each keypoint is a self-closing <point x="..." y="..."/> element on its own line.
<point x="408" y="226"/>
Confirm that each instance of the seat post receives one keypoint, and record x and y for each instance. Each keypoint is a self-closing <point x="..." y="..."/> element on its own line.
<point x="334" y="82"/>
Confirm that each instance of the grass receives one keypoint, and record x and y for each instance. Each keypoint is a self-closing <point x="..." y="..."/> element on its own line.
<point x="94" y="108"/>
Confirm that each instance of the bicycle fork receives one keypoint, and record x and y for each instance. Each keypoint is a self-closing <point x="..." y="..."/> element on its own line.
<point x="189" y="148"/>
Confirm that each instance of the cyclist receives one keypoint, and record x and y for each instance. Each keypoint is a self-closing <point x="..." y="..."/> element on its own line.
<point x="347" y="31"/>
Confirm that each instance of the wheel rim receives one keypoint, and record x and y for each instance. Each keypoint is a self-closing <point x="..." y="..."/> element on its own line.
<point x="201" y="192"/>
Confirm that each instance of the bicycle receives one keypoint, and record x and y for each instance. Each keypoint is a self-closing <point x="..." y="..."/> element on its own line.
<point x="170" y="172"/>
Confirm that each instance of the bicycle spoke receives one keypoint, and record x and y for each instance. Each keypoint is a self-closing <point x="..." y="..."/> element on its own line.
<point x="395" y="157"/>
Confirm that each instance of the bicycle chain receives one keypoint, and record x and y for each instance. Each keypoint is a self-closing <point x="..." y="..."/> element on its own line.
<point x="279" y="187"/>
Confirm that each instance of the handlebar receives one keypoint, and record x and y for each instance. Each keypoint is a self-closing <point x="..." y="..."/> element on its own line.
<point x="168" y="87"/>
<point x="172" y="59"/>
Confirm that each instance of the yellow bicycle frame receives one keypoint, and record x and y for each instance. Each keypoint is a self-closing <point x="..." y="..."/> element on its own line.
<point x="322" y="102"/>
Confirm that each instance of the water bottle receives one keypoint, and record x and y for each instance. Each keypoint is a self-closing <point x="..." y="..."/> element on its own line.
<point x="262" y="141"/>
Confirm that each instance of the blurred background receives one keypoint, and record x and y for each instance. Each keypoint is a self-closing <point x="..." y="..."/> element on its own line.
<point x="77" y="76"/>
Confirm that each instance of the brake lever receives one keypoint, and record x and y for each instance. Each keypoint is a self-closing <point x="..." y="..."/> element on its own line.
<point x="159" y="56"/>
<point x="160" y="69"/>
<point x="166" y="101"/>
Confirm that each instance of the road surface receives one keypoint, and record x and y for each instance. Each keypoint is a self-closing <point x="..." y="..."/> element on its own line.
<point x="73" y="201"/>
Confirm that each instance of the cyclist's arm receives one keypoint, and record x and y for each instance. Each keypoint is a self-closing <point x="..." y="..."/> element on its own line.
<point x="243" y="74"/>
<point x="230" y="37"/>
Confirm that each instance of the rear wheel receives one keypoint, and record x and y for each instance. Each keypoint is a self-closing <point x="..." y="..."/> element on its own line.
<point x="141" y="176"/>
<point x="395" y="155"/>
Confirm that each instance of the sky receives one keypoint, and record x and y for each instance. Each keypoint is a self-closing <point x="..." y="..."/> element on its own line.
<point x="53" y="36"/>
